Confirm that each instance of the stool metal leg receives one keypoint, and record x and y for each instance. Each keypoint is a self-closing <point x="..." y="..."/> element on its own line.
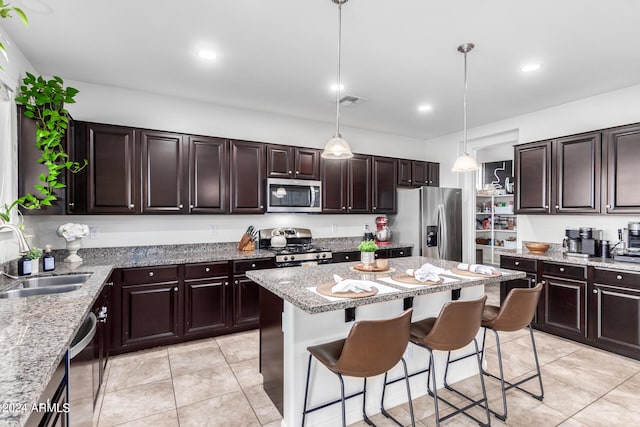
<point x="364" y="403"/>
<point x="484" y="389"/>
<point x="384" y="387"/>
<point x="432" y="368"/>
<point x="342" y="401"/>
<point x="306" y="392"/>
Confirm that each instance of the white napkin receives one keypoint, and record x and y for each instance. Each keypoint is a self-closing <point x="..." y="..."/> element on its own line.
<point x="349" y="285"/>
<point x="426" y="273"/>
<point x="477" y="268"/>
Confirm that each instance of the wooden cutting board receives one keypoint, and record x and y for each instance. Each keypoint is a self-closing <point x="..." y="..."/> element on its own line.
<point x="325" y="289"/>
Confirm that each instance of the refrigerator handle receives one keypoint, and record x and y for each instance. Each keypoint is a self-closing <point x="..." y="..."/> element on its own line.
<point x="442" y="231"/>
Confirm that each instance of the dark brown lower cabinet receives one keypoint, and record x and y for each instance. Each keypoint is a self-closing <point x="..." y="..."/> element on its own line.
<point x="246" y="293"/>
<point x="615" y="302"/>
<point x="205" y="302"/>
<point x="529" y="266"/>
<point x="565" y="306"/>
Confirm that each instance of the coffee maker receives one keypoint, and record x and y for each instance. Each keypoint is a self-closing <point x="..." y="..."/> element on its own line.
<point x="581" y="241"/>
<point x="633" y="237"/>
<point x="629" y="250"/>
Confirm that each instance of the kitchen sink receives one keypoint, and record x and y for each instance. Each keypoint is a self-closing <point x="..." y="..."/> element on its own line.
<point x="45" y="285"/>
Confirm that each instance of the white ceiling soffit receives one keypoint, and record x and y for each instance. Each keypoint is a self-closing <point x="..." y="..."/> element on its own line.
<point x="396" y="54"/>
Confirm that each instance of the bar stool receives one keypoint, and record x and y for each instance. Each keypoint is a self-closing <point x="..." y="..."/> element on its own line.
<point x="517" y="312"/>
<point x="456" y="326"/>
<point x="372" y="348"/>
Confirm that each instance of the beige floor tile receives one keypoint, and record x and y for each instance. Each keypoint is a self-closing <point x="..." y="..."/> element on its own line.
<point x="137" y="402"/>
<point x="204" y="384"/>
<point x="273" y="424"/>
<point x="262" y="405"/>
<point x="142" y="354"/>
<point x="571" y="422"/>
<point x="163" y="419"/>
<point x="231" y="409"/>
<point x="564" y="398"/>
<point x="138" y="371"/>
<point x="626" y="395"/>
<point x="188" y="359"/>
<point x="239" y="347"/>
<point x="605" y="413"/>
<point x="380" y="420"/>
<point x="193" y="345"/>
<point x="247" y="373"/>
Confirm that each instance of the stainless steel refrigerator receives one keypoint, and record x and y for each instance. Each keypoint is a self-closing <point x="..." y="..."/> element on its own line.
<point x="431" y="218"/>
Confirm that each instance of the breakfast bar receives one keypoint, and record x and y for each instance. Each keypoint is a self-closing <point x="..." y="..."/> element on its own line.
<point x="295" y="316"/>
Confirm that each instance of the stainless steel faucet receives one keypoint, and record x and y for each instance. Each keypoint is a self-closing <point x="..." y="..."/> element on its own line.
<point x="23" y="246"/>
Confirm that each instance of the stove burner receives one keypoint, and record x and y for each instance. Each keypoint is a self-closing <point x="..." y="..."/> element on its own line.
<point x="299" y="248"/>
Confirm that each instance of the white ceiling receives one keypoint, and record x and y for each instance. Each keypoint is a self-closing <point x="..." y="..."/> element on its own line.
<point x="280" y="55"/>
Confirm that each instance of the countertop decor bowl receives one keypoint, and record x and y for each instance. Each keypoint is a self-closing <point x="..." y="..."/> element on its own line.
<point x="538" y="248"/>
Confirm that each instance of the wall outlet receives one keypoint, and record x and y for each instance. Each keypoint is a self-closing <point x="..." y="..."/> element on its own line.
<point x="94" y="232"/>
<point x="214" y="230"/>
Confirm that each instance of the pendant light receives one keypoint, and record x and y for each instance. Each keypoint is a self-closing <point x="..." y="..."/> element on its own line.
<point x="336" y="147"/>
<point x="465" y="162"/>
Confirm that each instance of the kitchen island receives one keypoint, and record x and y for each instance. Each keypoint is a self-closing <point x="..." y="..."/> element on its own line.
<point x="294" y="316"/>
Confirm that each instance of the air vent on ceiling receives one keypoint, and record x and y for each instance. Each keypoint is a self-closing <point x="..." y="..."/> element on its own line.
<point x="348" y="100"/>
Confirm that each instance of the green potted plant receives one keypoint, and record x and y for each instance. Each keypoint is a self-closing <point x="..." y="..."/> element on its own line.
<point x="368" y="250"/>
<point x="44" y="102"/>
<point x="34" y="255"/>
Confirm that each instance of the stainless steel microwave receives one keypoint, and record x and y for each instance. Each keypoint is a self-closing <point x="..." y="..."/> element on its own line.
<point x="293" y="195"/>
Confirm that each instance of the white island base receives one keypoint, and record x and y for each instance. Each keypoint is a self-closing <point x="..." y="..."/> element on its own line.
<point x="302" y="330"/>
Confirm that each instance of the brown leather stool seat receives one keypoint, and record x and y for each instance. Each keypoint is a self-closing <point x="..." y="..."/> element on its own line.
<point x="455" y="327"/>
<point x="516" y="312"/>
<point x="372" y="347"/>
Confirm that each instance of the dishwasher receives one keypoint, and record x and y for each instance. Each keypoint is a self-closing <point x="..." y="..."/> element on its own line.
<point x="83" y="364"/>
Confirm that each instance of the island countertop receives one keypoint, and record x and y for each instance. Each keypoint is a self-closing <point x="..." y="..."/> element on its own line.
<point x="291" y="284"/>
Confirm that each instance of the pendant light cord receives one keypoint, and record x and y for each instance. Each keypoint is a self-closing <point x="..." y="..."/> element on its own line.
<point x="464" y="104"/>
<point x="339" y="56"/>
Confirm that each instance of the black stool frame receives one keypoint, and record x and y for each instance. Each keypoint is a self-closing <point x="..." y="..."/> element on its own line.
<point x="344" y="398"/>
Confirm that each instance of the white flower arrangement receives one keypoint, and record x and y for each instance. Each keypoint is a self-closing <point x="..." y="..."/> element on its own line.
<point x="71" y="231"/>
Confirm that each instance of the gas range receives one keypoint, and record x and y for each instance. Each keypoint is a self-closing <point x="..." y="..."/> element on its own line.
<point x="298" y="249"/>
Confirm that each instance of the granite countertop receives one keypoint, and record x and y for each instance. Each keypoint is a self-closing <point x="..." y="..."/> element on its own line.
<point x="557" y="256"/>
<point x="35" y="333"/>
<point x="291" y="284"/>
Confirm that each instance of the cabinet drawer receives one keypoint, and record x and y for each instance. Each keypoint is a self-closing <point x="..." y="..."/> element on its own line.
<point x="158" y="274"/>
<point x="616" y="277"/>
<point x="563" y="270"/>
<point x="400" y="252"/>
<point x="256" y="264"/>
<point x="520" y="264"/>
<point x="346" y="256"/>
<point x="206" y="269"/>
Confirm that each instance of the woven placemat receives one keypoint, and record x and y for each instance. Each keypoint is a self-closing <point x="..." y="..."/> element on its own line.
<point x="358" y="269"/>
<point x="472" y="274"/>
<point x="325" y="289"/>
<point x="405" y="278"/>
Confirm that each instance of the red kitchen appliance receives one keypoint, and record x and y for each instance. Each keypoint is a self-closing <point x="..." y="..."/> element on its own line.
<point x="383" y="232"/>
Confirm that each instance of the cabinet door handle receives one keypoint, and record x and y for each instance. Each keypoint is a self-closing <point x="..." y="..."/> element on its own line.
<point x="253" y="266"/>
<point x="401" y="253"/>
<point x="595" y="291"/>
<point x="608" y="206"/>
<point x="561" y="269"/>
<point x="226" y="283"/>
<point x="190" y="206"/>
<point x="297" y="172"/>
<point x="409" y="181"/>
<point x="109" y="283"/>
<point x="181" y="206"/>
<point x="543" y="282"/>
<point x="349" y="207"/>
<point x="289" y="172"/>
<point x="619" y="277"/>
<point x="517" y="263"/>
<point x="72" y="205"/>
<point x="343" y="208"/>
<point x="207" y="269"/>
<point x="131" y="206"/>
<point x="374" y="208"/>
<point x="346" y="257"/>
<point x="546" y="206"/>
<point x="261" y="206"/>
<point x="375" y="255"/>
<point x="151" y="273"/>
<point x="237" y="282"/>
<point x="557" y="206"/>
<point x="175" y="289"/>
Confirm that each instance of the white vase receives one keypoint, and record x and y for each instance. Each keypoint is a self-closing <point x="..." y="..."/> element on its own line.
<point x="72" y="247"/>
<point x="368" y="258"/>
<point x="35" y="266"/>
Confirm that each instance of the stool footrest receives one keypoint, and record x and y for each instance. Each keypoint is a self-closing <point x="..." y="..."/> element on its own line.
<point x="517" y="385"/>
<point x="333" y="402"/>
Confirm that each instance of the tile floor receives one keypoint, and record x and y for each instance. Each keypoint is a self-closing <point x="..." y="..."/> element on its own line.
<point x="215" y="382"/>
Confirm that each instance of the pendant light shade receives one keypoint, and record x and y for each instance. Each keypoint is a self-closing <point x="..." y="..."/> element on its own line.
<point x="337" y="147"/>
<point x="465" y="162"/>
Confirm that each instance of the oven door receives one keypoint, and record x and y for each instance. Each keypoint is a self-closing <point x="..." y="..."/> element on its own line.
<point x="293" y="195"/>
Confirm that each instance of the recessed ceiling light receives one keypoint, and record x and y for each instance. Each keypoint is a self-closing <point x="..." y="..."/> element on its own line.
<point x="530" y="67"/>
<point x="207" y="54"/>
<point x="334" y="87"/>
<point x="425" y="108"/>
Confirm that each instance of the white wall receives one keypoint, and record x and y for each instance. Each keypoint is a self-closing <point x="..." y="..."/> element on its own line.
<point x="606" y="110"/>
<point x="10" y="76"/>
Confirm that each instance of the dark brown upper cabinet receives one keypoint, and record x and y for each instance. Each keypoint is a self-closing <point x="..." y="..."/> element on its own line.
<point x="346" y="185"/>
<point x="29" y="169"/>
<point x="413" y="173"/>
<point x="359" y="184"/>
<point x="292" y="162"/>
<point x="533" y="177"/>
<point x="208" y="174"/>
<point x="109" y="184"/>
<point x="622" y="157"/>
<point x="577" y="174"/>
<point x="383" y="185"/>
<point x="247" y="177"/>
<point x="163" y="167"/>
